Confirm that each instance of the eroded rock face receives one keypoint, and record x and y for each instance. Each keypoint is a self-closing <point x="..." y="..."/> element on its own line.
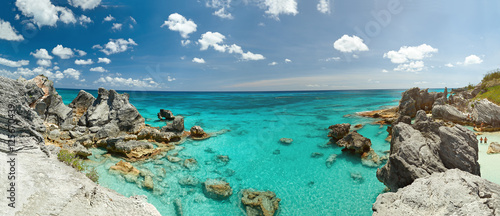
<point x="415" y="99"/>
<point x="453" y="192"/>
<point x="260" y="202"/>
<point x="286" y="141"/>
<point x="198" y="133"/>
<point x="494" y="148"/>
<point x="427" y="147"/>
<point x="486" y="112"/>
<point x="165" y="114"/>
<point x="125" y="168"/>
<point x="113" y="108"/>
<point x="217" y="189"/>
<point x="339" y="131"/>
<point x="176" y="126"/>
<point x="448" y="113"/>
<point x="80" y="104"/>
<point x="355" y="142"/>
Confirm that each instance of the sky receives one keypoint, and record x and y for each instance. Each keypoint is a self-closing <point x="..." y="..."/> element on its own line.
<point x="250" y="45"/>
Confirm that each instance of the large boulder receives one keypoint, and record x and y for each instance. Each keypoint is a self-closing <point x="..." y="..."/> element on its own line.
<point x="414" y="99"/>
<point x="260" y="203"/>
<point x="80" y="104"/>
<point x="339" y="131"/>
<point x="493" y="148"/>
<point x="427" y="147"/>
<point x="448" y="113"/>
<point x="113" y="108"/>
<point x="453" y="192"/>
<point x="217" y="189"/>
<point x="176" y="126"/>
<point x="355" y="142"/>
<point x="486" y="112"/>
<point x="165" y="114"/>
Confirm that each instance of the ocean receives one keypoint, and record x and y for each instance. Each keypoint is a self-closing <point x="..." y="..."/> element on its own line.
<point x="249" y="126"/>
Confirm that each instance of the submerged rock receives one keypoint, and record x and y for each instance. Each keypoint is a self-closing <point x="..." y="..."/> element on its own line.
<point x="453" y="192"/>
<point x="339" y="131"/>
<point x="316" y="155"/>
<point x="178" y="207"/>
<point x="198" y="133"/>
<point x="257" y="203"/>
<point x="165" y="114"/>
<point x="189" y="180"/>
<point x="125" y="168"/>
<point x="355" y="142"/>
<point x="191" y="164"/>
<point x="286" y="141"/>
<point x="494" y="148"/>
<point x="148" y="182"/>
<point x="330" y="160"/>
<point x="217" y="189"/>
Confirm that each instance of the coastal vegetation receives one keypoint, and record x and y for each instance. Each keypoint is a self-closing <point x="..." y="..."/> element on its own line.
<point x="74" y="161"/>
<point x="490" y="87"/>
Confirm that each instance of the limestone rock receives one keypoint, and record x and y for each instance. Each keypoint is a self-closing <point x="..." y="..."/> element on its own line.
<point x="355" y="142"/>
<point x="198" y="133"/>
<point x="80" y="104"/>
<point x="286" y="141"/>
<point x="494" y="148"/>
<point x="148" y="182"/>
<point x="217" y="189"/>
<point x="125" y="168"/>
<point x="189" y="181"/>
<point x="191" y="164"/>
<point x="339" y="131"/>
<point x="330" y="160"/>
<point x="448" y="113"/>
<point x="486" y="112"/>
<point x="165" y="114"/>
<point x="258" y="203"/>
<point x="415" y="99"/>
<point x="453" y="192"/>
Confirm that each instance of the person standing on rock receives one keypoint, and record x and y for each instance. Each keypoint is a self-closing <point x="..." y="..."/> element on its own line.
<point x="481" y="140"/>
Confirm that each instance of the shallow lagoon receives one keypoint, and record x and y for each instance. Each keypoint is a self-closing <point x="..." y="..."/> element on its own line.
<point x="251" y="125"/>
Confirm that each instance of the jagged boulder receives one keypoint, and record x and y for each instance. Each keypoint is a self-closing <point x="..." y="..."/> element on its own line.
<point x="427" y="147"/>
<point x="486" y="112"/>
<point x="80" y="104"/>
<point x="256" y="203"/>
<point x="355" y="142"/>
<point x="414" y="99"/>
<point x="448" y="113"/>
<point x="165" y="114"/>
<point x="198" y="133"/>
<point x="217" y="189"/>
<point x="453" y="192"/>
<point x="339" y="131"/>
<point x="113" y="108"/>
<point x="493" y="148"/>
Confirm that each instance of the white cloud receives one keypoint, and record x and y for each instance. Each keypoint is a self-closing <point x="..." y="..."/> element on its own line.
<point x="7" y="32"/>
<point x="185" y="42"/>
<point x="333" y="59"/>
<point x="84" y="62"/>
<point x="216" y="39"/>
<point x="44" y="13"/>
<point x="348" y="44"/>
<point x="273" y="63"/>
<point x="108" y="18"/>
<point x="170" y="79"/>
<point x="85" y="4"/>
<point x="104" y="60"/>
<point x="177" y="22"/>
<point x="472" y="59"/>
<point x="41" y="54"/>
<point x="11" y="63"/>
<point x="288" y="61"/>
<point x="56" y="68"/>
<point x="199" y="60"/>
<point x="98" y="69"/>
<point x="84" y="20"/>
<point x="413" y="66"/>
<point x="116" y="46"/>
<point x="133" y="20"/>
<point x="251" y="56"/>
<point x="117" y="26"/>
<point x="119" y="81"/>
<point x="420" y="82"/>
<point x="277" y="7"/>
<point x="385" y="71"/>
<point x="72" y="73"/>
<point x="44" y="62"/>
<point x="405" y="53"/>
<point x="449" y="65"/>
<point x="355" y="56"/>
<point x="17" y="17"/>
<point x="63" y="52"/>
<point x="222" y="6"/>
<point x="81" y="52"/>
<point x="324" y="6"/>
<point x="222" y="13"/>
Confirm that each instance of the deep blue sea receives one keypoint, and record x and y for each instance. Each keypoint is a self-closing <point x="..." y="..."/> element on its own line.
<point x="250" y="126"/>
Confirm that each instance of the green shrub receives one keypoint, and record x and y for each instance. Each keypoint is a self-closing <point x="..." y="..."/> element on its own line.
<point x="492" y="94"/>
<point x="492" y="75"/>
<point x="74" y="161"/>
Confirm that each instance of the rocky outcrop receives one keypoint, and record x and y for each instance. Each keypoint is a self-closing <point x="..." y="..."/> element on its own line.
<point x="39" y="172"/>
<point x="165" y="114"/>
<point x="286" y="141"/>
<point x="453" y="192"/>
<point x="125" y="168"/>
<point x="113" y="108"/>
<point x="197" y="133"/>
<point x="132" y="149"/>
<point x="493" y="148"/>
<point x="339" y="131"/>
<point x="177" y="126"/>
<point x="331" y="160"/>
<point x="355" y="142"/>
<point x="217" y="189"/>
<point x="448" y="113"/>
<point x="414" y="99"/>
<point x="80" y="104"/>
<point x="486" y="112"/>
<point x="257" y="203"/>
<point x="427" y="147"/>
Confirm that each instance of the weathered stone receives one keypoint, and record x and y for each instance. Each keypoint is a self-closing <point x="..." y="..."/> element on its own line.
<point x="260" y="203"/>
<point x="339" y="131"/>
<point x="217" y="189"/>
<point x="486" y="112"/>
<point x="448" y="113"/>
<point x="355" y="142"/>
<point x="125" y="168"/>
<point x="191" y="164"/>
<point x="316" y="155"/>
<point x="176" y="126"/>
<point x="189" y="181"/>
<point x="148" y="182"/>
<point x="330" y="160"/>
<point x="165" y="114"/>
<point x="493" y="148"/>
<point x="286" y="141"/>
<point x="415" y="99"/>
<point x="80" y="104"/>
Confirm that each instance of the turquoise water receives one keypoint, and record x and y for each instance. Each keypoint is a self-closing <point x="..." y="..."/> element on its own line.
<point x="251" y="125"/>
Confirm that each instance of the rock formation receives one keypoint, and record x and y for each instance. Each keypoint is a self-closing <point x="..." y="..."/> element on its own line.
<point x="257" y="203"/>
<point x="493" y="148"/>
<point x="177" y="126"/>
<point x="355" y="142"/>
<point x="286" y="141"/>
<point x="80" y="104"/>
<point x="453" y="192"/>
<point x="414" y="99"/>
<point x="427" y="147"/>
<point x="165" y="114"/>
<point x="338" y="131"/>
<point x="486" y="112"/>
<point x="217" y="189"/>
<point x="125" y="168"/>
<point x="448" y="113"/>
<point x="197" y="133"/>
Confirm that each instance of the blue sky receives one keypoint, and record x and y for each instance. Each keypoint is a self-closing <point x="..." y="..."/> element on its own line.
<point x="250" y="45"/>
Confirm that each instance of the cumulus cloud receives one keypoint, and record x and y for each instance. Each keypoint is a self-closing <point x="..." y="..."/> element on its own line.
<point x="221" y="6"/>
<point x="409" y="53"/>
<point x="199" y="60"/>
<point x="72" y="73"/>
<point x="24" y="72"/>
<point x="116" y="46"/>
<point x="449" y="65"/>
<point x="7" y="32"/>
<point x="288" y="61"/>
<point x="108" y="18"/>
<point x="84" y="20"/>
<point x="277" y="7"/>
<point x="104" y="60"/>
<point x="63" y="52"/>
<point x="273" y="63"/>
<point x="117" y="26"/>
<point x="177" y="22"/>
<point x="333" y="59"/>
<point x="84" y="62"/>
<point x="41" y="54"/>
<point x="44" y="13"/>
<point x="98" y="69"/>
<point x="348" y="44"/>
<point x="10" y="63"/>
<point x="81" y="52"/>
<point x="385" y="71"/>
<point x="324" y="6"/>
<point x="216" y="39"/>
<point x="44" y="62"/>
<point x="119" y="81"/>
<point x="185" y="42"/>
<point x="413" y="66"/>
<point x="170" y="79"/>
<point x="472" y="59"/>
<point x="85" y="4"/>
